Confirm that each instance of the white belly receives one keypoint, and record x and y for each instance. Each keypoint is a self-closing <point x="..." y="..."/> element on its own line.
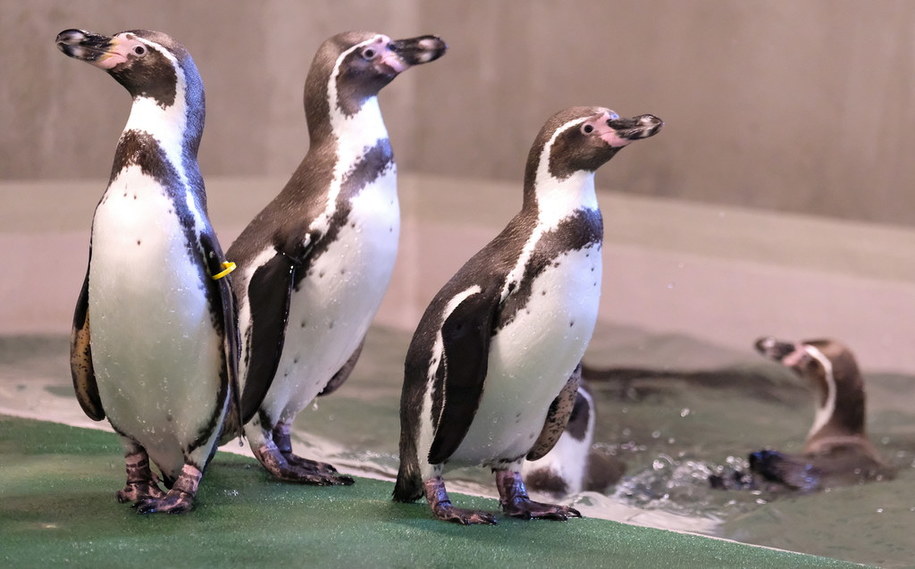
<point x="533" y="357"/>
<point x="155" y="352"/>
<point x="332" y="308"/>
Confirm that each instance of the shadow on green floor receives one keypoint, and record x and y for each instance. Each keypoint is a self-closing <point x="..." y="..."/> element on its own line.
<point x="57" y="507"/>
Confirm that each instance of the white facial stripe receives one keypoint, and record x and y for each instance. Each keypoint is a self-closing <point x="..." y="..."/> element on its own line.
<point x="354" y="136"/>
<point x="824" y="412"/>
<point x="146" y="115"/>
<point x="556" y="200"/>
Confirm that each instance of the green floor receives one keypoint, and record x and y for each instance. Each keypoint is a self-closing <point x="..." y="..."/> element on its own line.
<point x="57" y="507"/>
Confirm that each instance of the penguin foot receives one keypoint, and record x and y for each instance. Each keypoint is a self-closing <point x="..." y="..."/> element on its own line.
<point x="174" y="502"/>
<point x="139" y="491"/>
<point x="308" y="464"/>
<point x="516" y="503"/>
<point x="299" y="470"/>
<point x="179" y="499"/>
<point x="441" y="506"/>
<point x="141" y="482"/>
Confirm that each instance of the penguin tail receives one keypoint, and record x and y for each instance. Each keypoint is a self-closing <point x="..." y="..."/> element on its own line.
<point x="409" y="484"/>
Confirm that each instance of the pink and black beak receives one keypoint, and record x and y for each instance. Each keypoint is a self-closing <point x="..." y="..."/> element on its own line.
<point x="405" y="53"/>
<point x="634" y="128"/>
<point x="105" y="52"/>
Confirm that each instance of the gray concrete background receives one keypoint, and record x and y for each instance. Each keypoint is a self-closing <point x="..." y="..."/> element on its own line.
<point x="780" y="105"/>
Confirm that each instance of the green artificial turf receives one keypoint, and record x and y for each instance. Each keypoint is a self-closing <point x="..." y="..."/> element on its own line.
<point x="57" y="508"/>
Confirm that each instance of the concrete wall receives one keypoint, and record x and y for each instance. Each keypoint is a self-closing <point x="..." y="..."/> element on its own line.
<point x="782" y="105"/>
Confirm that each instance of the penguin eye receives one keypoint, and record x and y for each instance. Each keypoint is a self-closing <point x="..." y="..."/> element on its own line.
<point x="369" y="53"/>
<point x="587" y="129"/>
<point x="139" y="50"/>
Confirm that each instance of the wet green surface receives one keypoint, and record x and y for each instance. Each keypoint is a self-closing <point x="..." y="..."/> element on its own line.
<point x="57" y="507"/>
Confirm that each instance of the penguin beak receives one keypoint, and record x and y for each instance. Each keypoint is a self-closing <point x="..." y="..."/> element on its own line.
<point x="405" y="53"/>
<point x="626" y="130"/>
<point x="101" y="51"/>
<point x="786" y="353"/>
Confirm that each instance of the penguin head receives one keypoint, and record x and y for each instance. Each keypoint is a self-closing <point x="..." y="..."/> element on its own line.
<point x="145" y="62"/>
<point x="354" y="66"/>
<point x="585" y="138"/>
<point x="831" y="370"/>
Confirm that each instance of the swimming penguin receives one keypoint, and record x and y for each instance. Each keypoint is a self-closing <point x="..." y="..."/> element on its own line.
<point x="573" y="465"/>
<point x="493" y="368"/>
<point x="837" y="450"/>
<point x="315" y="263"/>
<point x="154" y="344"/>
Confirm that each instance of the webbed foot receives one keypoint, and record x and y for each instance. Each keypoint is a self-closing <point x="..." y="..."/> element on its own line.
<point x="139" y="491"/>
<point x="291" y="468"/>
<point x="438" y="500"/>
<point x="179" y="499"/>
<point x="516" y="503"/>
<point x="141" y="483"/>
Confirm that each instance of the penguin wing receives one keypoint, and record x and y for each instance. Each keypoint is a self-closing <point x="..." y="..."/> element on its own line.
<point x="269" y="293"/>
<point x="466" y="333"/>
<point x="343" y="373"/>
<point x="557" y="417"/>
<point x="81" y="368"/>
<point x="225" y="311"/>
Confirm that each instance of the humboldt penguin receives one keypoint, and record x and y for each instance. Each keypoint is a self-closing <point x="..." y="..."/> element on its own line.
<point x="837" y="451"/>
<point x="315" y="263"/>
<point x="493" y="368"/>
<point x="154" y="344"/>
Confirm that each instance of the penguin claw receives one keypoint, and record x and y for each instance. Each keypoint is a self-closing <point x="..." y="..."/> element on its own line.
<point x="313" y="477"/>
<point x="311" y="465"/>
<point x="137" y="492"/>
<point x="528" y="509"/>
<point x="174" y="502"/>
<point x="464" y="516"/>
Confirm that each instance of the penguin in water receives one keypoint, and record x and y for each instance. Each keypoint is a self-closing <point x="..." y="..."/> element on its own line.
<point x="573" y="465"/>
<point x="493" y="368"/>
<point x="837" y="451"/>
<point x="315" y="263"/>
<point x="154" y="345"/>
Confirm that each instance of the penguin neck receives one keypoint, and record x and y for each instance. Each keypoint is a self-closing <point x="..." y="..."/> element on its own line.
<point x="177" y="127"/>
<point x="553" y="199"/>
<point x="839" y="411"/>
<point x="347" y="136"/>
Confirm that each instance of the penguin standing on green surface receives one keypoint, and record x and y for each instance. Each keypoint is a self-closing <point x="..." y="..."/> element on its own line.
<point x="315" y="263"/>
<point x="493" y="369"/>
<point x="154" y="344"/>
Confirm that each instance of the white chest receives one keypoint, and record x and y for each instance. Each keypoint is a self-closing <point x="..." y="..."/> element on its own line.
<point x="154" y="348"/>
<point x="332" y="307"/>
<point x="532" y="358"/>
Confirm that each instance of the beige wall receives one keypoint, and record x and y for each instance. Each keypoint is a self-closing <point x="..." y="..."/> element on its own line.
<point x="786" y="105"/>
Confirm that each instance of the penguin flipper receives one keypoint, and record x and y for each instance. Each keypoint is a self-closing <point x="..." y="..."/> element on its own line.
<point x="343" y="373"/>
<point x="466" y="335"/>
<point x="269" y="294"/>
<point x="226" y="311"/>
<point x="81" y="368"/>
<point x="557" y="417"/>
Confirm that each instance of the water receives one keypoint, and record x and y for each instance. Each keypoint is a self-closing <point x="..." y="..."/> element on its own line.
<point x="671" y="433"/>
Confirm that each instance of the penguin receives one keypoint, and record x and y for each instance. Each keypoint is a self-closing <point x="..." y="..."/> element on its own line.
<point x="573" y="465"/>
<point x="493" y="368"/>
<point x="315" y="263"/>
<point x="837" y="450"/>
<point x="154" y="346"/>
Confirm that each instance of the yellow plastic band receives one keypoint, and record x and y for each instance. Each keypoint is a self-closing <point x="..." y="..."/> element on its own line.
<point x="228" y="267"/>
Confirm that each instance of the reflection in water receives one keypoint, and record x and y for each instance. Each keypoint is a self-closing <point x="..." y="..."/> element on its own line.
<point x="671" y="430"/>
